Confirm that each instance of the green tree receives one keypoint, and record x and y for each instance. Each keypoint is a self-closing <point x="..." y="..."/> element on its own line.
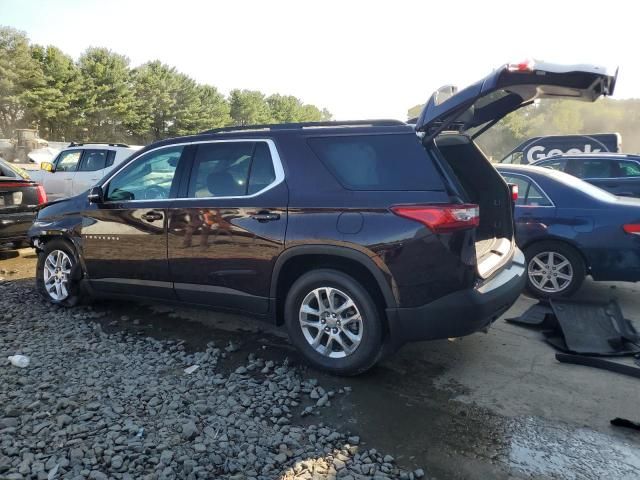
<point x="214" y="108"/>
<point x="52" y="103"/>
<point x="188" y="107"/>
<point x="19" y="73"/>
<point x="284" y="108"/>
<point x="107" y="101"/>
<point x="155" y="85"/>
<point x="287" y="108"/>
<point x="249" y="107"/>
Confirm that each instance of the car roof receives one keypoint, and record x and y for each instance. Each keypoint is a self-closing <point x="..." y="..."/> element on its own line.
<point x="302" y="126"/>
<point x="356" y="127"/>
<point x="567" y="180"/>
<point x="104" y="146"/>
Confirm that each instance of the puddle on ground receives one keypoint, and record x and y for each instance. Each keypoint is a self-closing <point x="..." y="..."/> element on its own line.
<point x="558" y="451"/>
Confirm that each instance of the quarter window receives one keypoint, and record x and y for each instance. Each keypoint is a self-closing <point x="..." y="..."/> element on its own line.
<point x="147" y="178"/>
<point x="231" y="169"/>
<point x="380" y="162"/>
<point x="68" y="161"/>
<point x="528" y="193"/>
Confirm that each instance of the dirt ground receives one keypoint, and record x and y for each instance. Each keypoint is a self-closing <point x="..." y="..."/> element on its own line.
<point x="494" y="405"/>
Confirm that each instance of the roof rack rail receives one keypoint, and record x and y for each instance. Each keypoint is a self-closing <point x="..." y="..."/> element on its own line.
<point x="79" y="144"/>
<point x="301" y="125"/>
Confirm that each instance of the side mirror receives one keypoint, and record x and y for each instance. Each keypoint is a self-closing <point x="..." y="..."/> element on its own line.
<point x="47" y="167"/>
<point x="96" y="195"/>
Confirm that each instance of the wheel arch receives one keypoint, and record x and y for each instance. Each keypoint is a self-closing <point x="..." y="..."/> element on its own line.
<point x="562" y="240"/>
<point x="45" y="237"/>
<point x="295" y="261"/>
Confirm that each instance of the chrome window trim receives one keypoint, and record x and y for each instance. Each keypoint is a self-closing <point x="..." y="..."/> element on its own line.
<point x="275" y="160"/>
<point x="529" y="179"/>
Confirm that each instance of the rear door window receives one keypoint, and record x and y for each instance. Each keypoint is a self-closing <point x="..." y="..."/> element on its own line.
<point x="378" y="162"/>
<point x="591" y="168"/>
<point x="93" y="160"/>
<point x="262" y="173"/>
<point x="231" y="169"/>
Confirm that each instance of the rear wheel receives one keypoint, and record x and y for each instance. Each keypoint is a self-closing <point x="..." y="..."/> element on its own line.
<point x="334" y="322"/>
<point x="58" y="273"/>
<point x="554" y="269"/>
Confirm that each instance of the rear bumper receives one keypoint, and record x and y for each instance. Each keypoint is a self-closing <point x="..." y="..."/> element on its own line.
<point x="460" y="313"/>
<point x="14" y="226"/>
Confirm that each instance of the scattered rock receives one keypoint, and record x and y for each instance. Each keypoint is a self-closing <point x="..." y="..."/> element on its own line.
<point x="102" y="405"/>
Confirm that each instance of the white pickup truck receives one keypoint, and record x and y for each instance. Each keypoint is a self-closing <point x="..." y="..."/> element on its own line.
<point x="79" y="166"/>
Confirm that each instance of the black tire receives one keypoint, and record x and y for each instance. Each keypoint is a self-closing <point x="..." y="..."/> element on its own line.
<point x="75" y="294"/>
<point x="578" y="268"/>
<point x="369" y="349"/>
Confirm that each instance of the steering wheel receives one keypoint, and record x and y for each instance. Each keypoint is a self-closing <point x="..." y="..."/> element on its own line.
<point x="155" y="192"/>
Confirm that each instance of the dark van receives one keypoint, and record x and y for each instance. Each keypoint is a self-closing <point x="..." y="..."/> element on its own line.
<point x="539" y="148"/>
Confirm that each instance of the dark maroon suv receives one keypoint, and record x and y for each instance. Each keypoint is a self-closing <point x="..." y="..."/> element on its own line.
<point x="359" y="236"/>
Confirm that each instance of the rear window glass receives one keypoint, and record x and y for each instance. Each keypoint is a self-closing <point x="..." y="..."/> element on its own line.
<point x="378" y="162"/>
<point x="12" y="171"/>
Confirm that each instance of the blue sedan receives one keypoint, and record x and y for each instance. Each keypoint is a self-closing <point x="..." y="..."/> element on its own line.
<point x="568" y="229"/>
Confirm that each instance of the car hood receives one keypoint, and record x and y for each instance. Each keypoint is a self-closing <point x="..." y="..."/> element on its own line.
<point x="64" y="206"/>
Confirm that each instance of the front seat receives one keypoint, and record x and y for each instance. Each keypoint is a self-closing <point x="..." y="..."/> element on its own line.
<point x="222" y="184"/>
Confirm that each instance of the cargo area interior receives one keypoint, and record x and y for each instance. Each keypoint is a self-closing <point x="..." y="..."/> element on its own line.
<point x="476" y="181"/>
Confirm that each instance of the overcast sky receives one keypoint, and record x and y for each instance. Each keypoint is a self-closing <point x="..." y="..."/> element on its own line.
<point x="359" y="59"/>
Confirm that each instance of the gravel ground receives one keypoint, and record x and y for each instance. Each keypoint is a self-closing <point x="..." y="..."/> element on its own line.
<point x="114" y="405"/>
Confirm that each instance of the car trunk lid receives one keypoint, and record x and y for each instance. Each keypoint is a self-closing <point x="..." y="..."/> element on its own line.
<point x="506" y="89"/>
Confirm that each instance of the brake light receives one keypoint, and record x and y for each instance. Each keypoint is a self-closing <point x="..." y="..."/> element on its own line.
<point x="514" y="192"/>
<point x="633" y="228"/>
<point x="42" y="195"/>
<point x="525" y="66"/>
<point x="442" y="218"/>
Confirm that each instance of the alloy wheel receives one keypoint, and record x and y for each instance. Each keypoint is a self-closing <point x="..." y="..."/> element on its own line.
<point x="57" y="273"/>
<point x="550" y="272"/>
<point x="331" y="322"/>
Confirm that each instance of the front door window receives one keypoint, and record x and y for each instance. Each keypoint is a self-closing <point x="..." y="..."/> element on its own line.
<point x="148" y="178"/>
<point x="68" y="161"/>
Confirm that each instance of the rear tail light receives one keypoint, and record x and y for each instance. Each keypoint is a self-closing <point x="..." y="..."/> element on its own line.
<point x="524" y="66"/>
<point x="514" y="192"/>
<point x="633" y="228"/>
<point x="42" y="195"/>
<point x="442" y="218"/>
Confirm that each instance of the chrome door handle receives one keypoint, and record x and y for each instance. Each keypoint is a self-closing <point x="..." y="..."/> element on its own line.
<point x="266" y="216"/>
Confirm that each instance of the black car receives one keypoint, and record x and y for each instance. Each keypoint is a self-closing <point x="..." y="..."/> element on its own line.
<point x="615" y="172"/>
<point x="19" y="200"/>
<point x="359" y="236"/>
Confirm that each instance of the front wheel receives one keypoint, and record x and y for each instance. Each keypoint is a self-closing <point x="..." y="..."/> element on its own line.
<point x="58" y="273"/>
<point x="334" y="322"/>
<point x="554" y="269"/>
